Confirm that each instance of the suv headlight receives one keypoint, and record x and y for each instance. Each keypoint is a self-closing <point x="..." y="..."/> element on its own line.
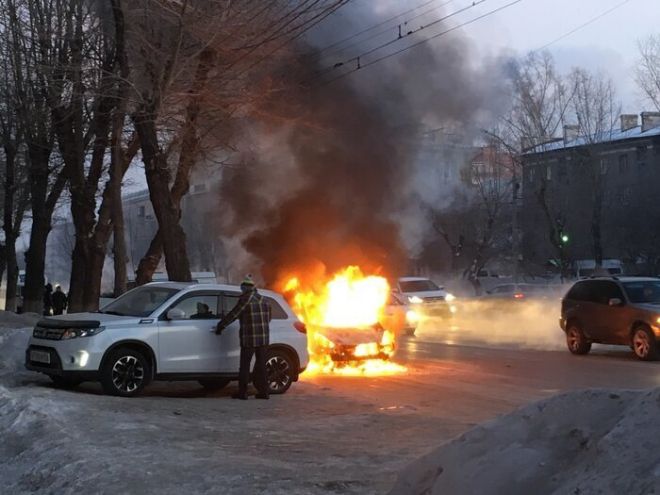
<point x="74" y="333"/>
<point x="450" y="297"/>
<point x="415" y="300"/>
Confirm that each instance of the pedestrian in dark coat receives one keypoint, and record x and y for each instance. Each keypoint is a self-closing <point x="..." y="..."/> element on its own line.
<point x="60" y="301"/>
<point x="253" y="313"/>
<point x="48" y="300"/>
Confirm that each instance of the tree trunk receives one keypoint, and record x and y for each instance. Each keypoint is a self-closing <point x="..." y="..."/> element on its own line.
<point x="12" y="274"/>
<point x="187" y="159"/>
<point x="167" y="214"/>
<point x="42" y="204"/>
<point x="119" y="247"/>
<point x="596" y="221"/>
<point x="8" y="227"/>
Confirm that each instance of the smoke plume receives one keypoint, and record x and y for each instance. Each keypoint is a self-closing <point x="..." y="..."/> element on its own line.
<point x="329" y="170"/>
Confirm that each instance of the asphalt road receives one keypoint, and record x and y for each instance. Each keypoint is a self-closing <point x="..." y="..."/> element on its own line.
<point x="328" y="434"/>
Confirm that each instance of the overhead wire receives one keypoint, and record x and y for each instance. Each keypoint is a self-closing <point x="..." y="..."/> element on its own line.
<point x="425" y="40"/>
<point x="386" y="21"/>
<point x="582" y="26"/>
<point x="388" y="29"/>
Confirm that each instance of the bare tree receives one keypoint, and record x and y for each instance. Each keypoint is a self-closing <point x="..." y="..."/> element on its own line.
<point x="27" y="51"/>
<point x="648" y="69"/>
<point x="198" y="61"/>
<point x="540" y="106"/>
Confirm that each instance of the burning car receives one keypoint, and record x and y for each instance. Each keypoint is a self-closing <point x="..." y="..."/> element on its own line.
<point x="351" y="327"/>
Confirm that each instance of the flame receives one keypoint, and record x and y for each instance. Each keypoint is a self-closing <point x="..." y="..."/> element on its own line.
<point x="347" y="329"/>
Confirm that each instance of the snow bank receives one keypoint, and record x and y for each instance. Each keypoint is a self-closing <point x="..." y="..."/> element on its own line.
<point x="15" y="332"/>
<point x="586" y="442"/>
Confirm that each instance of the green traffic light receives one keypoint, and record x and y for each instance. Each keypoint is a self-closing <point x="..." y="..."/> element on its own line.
<point x="564" y="238"/>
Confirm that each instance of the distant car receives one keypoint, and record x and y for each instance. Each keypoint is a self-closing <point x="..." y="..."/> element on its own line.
<point x="619" y="311"/>
<point x="163" y="331"/>
<point x="522" y="292"/>
<point x="425" y="296"/>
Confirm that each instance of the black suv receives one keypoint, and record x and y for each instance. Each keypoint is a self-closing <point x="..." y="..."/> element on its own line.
<point x="620" y="311"/>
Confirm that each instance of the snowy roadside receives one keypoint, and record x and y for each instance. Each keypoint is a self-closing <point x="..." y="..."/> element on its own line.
<point x="587" y="442"/>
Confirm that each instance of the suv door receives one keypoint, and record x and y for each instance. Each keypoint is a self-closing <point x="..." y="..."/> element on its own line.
<point x="190" y="345"/>
<point x="580" y="304"/>
<point x="609" y="320"/>
<point x="230" y="346"/>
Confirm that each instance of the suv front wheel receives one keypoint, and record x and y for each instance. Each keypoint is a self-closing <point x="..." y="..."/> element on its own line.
<point x="280" y="371"/>
<point x="125" y="372"/>
<point x="576" y="340"/>
<point x="644" y="344"/>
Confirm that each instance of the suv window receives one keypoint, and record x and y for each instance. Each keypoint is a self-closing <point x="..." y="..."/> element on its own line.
<point x="229" y="300"/>
<point x="199" y="307"/>
<point x="643" y="291"/>
<point x="580" y="292"/>
<point x="601" y="291"/>
<point x="139" y="302"/>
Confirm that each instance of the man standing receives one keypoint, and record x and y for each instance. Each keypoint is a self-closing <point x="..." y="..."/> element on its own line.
<point x="253" y="313"/>
<point x="48" y="300"/>
<point x="59" y="301"/>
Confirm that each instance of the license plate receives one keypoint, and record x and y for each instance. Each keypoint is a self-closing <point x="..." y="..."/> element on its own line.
<point x="40" y="357"/>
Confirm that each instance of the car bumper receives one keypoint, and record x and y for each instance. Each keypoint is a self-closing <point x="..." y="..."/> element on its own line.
<point x="54" y="367"/>
<point x="74" y="355"/>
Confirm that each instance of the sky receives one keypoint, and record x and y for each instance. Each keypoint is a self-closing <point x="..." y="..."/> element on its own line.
<point x="607" y="45"/>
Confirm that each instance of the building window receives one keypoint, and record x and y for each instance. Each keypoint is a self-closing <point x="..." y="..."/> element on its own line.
<point x="641" y="153"/>
<point x="561" y="171"/>
<point x="603" y="166"/>
<point x="623" y="164"/>
<point x="548" y="172"/>
<point x="530" y="174"/>
<point x="625" y="196"/>
<point x="141" y="211"/>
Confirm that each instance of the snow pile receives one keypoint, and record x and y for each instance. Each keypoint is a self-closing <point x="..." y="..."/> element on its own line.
<point x="13" y="320"/>
<point x="15" y="331"/>
<point x="586" y="442"/>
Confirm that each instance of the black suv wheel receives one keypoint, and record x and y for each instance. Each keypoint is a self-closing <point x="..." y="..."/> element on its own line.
<point x="644" y="344"/>
<point x="125" y="372"/>
<point x="280" y="371"/>
<point x="576" y="341"/>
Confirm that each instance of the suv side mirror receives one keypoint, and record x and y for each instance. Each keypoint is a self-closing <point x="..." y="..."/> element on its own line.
<point x="615" y="301"/>
<point x="176" y="314"/>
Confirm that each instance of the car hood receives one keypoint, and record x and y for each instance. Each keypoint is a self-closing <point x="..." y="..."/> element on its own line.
<point x="82" y="318"/>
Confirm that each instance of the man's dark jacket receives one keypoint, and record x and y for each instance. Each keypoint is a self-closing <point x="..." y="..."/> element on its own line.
<point x="254" y="314"/>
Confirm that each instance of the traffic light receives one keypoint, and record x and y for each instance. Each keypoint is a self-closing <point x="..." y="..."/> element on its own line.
<point x="564" y="238"/>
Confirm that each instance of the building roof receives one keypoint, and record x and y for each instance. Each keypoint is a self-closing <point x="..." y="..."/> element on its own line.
<point x="605" y="137"/>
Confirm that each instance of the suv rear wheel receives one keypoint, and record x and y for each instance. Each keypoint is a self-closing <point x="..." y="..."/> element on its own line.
<point x="280" y="371"/>
<point x="125" y="372"/>
<point x="644" y="344"/>
<point x="576" y="341"/>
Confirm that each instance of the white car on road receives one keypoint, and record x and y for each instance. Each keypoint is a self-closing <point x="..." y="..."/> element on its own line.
<point x="163" y="331"/>
<point x="425" y="295"/>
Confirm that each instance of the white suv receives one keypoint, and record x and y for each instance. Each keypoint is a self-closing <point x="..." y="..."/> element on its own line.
<point x="163" y="331"/>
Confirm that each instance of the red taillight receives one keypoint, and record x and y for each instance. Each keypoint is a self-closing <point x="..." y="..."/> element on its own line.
<point x="519" y="295"/>
<point x="300" y="326"/>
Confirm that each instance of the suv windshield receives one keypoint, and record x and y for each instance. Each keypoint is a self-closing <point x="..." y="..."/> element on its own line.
<point x="417" y="286"/>
<point x="141" y="301"/>
<point x="643" y="292"/>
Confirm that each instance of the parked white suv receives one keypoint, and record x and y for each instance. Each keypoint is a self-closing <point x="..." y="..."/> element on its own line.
<point x="163" y="331"/>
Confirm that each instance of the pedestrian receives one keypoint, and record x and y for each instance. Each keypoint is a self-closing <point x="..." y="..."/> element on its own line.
<point x="60" y="301"/>
<point x="48" y="300"/>
<point x="253" y="313"/>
